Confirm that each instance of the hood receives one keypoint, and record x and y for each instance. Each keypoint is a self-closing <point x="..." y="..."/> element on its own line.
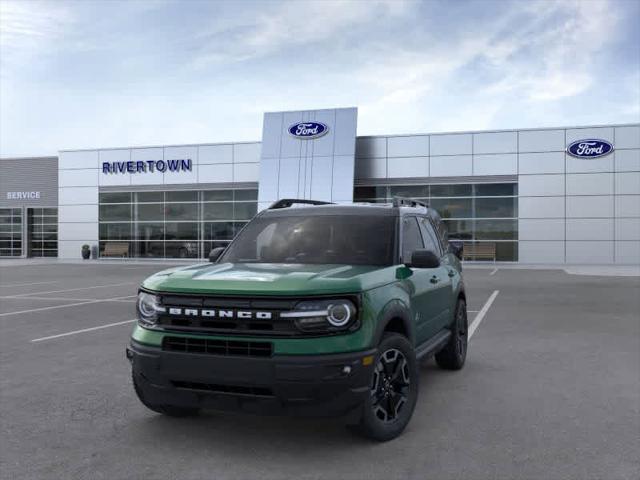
<point x="269" y="279"/>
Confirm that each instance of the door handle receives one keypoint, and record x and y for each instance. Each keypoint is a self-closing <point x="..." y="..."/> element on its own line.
<point x="434" y="279"/>
<point x="452" y="273"/>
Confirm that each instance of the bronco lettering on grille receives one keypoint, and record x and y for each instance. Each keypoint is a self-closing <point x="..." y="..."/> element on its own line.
<point x="213" y="313"/>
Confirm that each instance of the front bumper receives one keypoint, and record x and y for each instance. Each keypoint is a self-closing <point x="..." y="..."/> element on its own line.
<point x="305" y="385"/>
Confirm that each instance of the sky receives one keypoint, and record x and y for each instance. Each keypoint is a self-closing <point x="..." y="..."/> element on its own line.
<point x="86" y="74"/>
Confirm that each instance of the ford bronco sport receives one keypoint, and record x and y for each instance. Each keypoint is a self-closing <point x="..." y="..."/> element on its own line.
<point x="320" y="310"/>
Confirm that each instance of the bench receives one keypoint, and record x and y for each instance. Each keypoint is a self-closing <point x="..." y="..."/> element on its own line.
<point x="479" y="251"/>
<point x="116" y="250"/>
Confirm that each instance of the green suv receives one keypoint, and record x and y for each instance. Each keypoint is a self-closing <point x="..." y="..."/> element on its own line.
<point x="313" y="309"/>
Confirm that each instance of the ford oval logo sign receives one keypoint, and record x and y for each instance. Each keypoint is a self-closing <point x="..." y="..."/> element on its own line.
<point x="308" y="130"/>
<point x="590" y="148"/>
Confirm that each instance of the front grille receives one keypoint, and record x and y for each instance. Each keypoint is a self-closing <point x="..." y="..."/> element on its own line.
<point x="231" y="389"/>
<point x="231" y="348"/>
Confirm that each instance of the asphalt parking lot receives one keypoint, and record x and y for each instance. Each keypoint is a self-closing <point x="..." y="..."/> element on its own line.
<point x="551" y="390"/>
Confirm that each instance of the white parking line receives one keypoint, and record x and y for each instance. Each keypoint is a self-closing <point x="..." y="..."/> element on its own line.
<point x="51" y="337"/>
<point x="493" y="272"/>
<point x="476" y="321"/>
<point x="74" y="289"/>
<point x="24" y="284"/>
<point x="68" y="299"/>
<point x="66" y="305"/>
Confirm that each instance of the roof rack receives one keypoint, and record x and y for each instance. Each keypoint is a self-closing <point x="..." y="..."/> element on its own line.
<point x="408" y="202"/>
<point x="288" y="202"/>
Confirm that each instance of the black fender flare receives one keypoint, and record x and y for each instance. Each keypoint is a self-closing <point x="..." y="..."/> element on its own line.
<point x="394" y="309"/>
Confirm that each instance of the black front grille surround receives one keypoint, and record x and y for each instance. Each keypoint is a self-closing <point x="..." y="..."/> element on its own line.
<point x="230" y="389"/>
<point x="274" y="327"/>
<point x="209" y="346"/>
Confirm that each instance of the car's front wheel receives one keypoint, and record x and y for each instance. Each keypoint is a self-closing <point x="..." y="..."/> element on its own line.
<point x="393" y="390"/>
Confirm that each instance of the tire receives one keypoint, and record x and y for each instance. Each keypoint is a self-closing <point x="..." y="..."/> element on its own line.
<point x="454" y="354"/>
<point x="394" y="388"/>
<point x="168" y="410"/>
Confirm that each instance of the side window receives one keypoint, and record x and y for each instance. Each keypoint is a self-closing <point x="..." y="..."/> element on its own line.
<point x="430" y="238"/>
<point x="411" y="238"/>
<point x="441" y="230"/>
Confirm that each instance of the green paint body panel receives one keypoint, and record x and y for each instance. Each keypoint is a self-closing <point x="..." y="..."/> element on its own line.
<point x="380" y="289"/>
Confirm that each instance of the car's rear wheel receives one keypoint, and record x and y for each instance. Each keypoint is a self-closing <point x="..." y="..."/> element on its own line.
<point x="169" y="410"/>
<point x="454" y="354"/>
<point x="393" y="390"/>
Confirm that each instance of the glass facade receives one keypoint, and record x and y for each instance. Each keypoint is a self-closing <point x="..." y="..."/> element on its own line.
<point x="42" y="228"/>
<point x="475" y="213"/>
<point x="10" y="232"/>
<point x="173" y="224"/>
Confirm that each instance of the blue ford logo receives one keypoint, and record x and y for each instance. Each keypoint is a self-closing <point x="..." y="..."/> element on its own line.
<point x="308" y="130"/>
<point x="590" y="148"/>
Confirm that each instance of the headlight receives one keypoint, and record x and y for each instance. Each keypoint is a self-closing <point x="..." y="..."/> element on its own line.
<point x="323" y="315"/>
<point x="148" y="307"/>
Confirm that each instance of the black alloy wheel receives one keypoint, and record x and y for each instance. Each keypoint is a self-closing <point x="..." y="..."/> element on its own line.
<point x="390" y="388"/>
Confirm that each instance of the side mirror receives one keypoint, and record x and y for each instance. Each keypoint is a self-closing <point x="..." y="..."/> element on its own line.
<point x="215" y="254"/>
<point x="424" y="259"/>
<point x="457" y="248"/>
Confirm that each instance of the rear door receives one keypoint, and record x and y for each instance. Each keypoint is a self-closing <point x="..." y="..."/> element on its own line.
<point x="425" y="307"/>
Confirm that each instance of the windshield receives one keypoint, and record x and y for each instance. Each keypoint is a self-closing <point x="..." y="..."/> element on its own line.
<point x="344" y="239"/>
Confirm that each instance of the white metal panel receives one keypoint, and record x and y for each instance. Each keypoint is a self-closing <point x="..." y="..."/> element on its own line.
<point x="403" y="167"/>
<point x="215" y="173"/>
<point x="181" y="176"/>
<point x="628" y="252"/>
<point x="541" y="207"/>
<point x="323" y="146"/>
<point x="77" y="195"/>
<point x="451" y="166"/>
<point x="76" y="231"/>
<point x="628" y="183"/>
<point x="215" y="154"/>
<point x="77" y="213"/>
<point x="544" y="162"/>
<point x="291" y="146"/>
<point x="627" y="228"/>
<point x="246" y="172"/>
<point x="143" y="155"/>
<point x="540" y="252"/>
<point x="540" y="185"/>
<point x="321" y="178"/>
<point x="451" y="144"/>
<point x="585" y="165"/>
<point x="601" y="133"/>
<point x="409" y="146"/>
<point x="590" y="184"/>
<point x="627" y="205"/>
<point x="122" y="155"/>
<point x="592" y="253"/>
<point x="371" y="168"/>
<point x="592" y="206"/>
<point x="289" y="178"/>
<point x="246" y="153"/>
<point x="371" y="147"/>
<point x="541" y="229"/>
<point x="343" y="173"/>
<point x="81" y="159"/>
<point x="627" y="160"/>
<point x="589" y="229"/>
<point x="344" y="131"/>
<point x="272" y="130"/>
<point x="77" y="178"/>
<point x="500" y="164"/>
<point x="495" y="142"/>
<point x="269" y="173"/>
<point x="628" y="137"/>
<point x="541" y="141"/>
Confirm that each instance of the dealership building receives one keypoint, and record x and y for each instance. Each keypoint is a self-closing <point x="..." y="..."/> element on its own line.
<point x="544" y="195"/>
